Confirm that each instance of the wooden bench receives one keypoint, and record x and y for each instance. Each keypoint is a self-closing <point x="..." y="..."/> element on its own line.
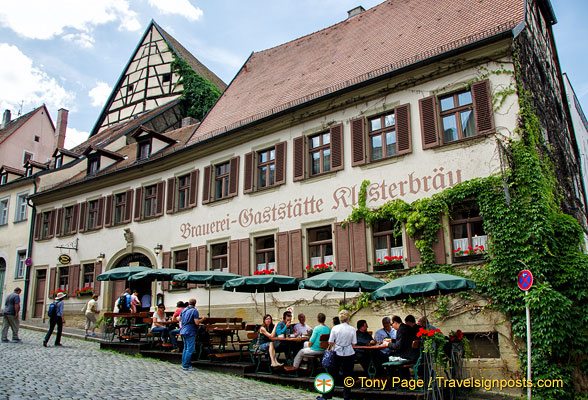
<point x="416" y="344"/>
<point x="312" y="359"/>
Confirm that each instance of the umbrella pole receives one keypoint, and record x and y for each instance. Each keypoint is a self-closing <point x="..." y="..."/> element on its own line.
<point x="344" y="298"/>
<point x="209" y="299"/>
<point x="425" y="312"/>
<point x="264" y="310"/>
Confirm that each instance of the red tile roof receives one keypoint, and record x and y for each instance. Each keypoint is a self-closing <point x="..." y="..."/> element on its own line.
<point x="387" y="37"/>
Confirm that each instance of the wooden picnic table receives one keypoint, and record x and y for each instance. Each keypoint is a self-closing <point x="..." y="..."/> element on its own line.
<point x="372" y="351"/>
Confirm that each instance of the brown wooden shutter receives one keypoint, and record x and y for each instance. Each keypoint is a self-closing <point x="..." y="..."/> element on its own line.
<point x="74" y="224"/>
<point x="483" y="112"/>
<point x="413" y="255"/>
<point x="58" y="232"/>
<point x="74" y="278"/>
<point x="192" y="260"/>
<point x="138" y="204"/>
<point x="403" y="131"/>
<point x="296" y="269"/>
<point x="97" y="283"/>
<point x="299" y="158"/>
<point x="108" y="211"/>
<point x="52" y="223"/>
<point x="201" y="260"/>
<point x="171" y="193"/>
<point x="38" y="222"/>
<point x="342" y="258"/>
<point x="100" y="213"/>
<point x="165" y="263"/>
<point x="358" y="246"/>
<point x="234" y="257"/>
<point x="280" y="163"/>
<point x="234" y="176"/>
<point x="159" y="199"/>
<point x="206" y="184"/>
<point x="439" y="246"/>
<point x="249" y="172"/>
<point x="52" y="279"/>
<point x="429" y="125"/>
<point x="82" y="224"/>
<point x="336" y="132"/>
<point x="357" y="142"/>
<point x="129" y="206"/>
<point x="283" y="255"/>
<point x="244" y="259"/>
<point x="193" y="198"/>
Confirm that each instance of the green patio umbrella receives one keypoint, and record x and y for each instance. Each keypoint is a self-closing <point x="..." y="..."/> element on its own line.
<point x="423" y="285"/>
<point x="342" y="282"/>
<point x="259" y="283"/>
<point x="163" y="274"/>
<point x="122" y="273"/>
<point x="209" y="277"/>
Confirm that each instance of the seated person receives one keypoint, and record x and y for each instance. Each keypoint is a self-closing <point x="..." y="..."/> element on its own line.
<point x="313" y="346"/>
<point x="402" y="347"/>
<point x="285" y="328"/>
<point x="388" y="333"/>
<point x="363" y="339"/>
<point x="301" y="329"/>
<point x="424" y="323"/>
<point x="264" y="342"/>
<point x="158" y="327"/>
<point x="411" y="321"/>
<point x="176" y="318"/>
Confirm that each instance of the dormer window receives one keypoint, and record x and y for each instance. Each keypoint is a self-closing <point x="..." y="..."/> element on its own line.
<point x="29" y="171"/>
<point x="93" y="165"/>
<point x="4" y="178"/>
<point x="58" y="161"/>
<point x="144" y="150"/>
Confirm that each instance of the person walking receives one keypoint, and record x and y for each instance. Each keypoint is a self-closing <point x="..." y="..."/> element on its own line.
<point x="189" y="321"/>
<point x="91" y="312"/>
<point x="343" y="338"/>
<point x="11" y="310"/>
<point x="56" y="318"/>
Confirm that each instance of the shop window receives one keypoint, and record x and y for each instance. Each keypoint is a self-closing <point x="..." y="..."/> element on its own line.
<point x="320" y="245"/>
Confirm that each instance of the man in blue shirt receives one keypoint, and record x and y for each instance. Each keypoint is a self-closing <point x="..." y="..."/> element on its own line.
<point x="56" y="319"/>
<point x="189" y="321"/>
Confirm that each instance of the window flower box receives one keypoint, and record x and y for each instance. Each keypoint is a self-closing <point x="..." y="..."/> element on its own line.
<point x="85" y="291"/>
<point x="388" y="263"/>
<point x="469" y="254"/>
<point x="265" y="272"/>
<point x="55" y="292"/>
<point x="320" y="268"/>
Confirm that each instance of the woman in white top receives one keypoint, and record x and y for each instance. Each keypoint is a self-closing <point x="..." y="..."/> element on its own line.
<point x="343" y="338"/>
<point x="157" y="326"/>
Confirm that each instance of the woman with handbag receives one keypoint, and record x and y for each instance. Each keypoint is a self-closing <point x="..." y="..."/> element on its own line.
<point x="342" y="341"/>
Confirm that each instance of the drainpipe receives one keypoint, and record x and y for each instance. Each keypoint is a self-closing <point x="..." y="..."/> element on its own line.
<point x="29" y="253"/>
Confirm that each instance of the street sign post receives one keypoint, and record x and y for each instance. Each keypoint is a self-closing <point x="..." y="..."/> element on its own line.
<point x="525" y="281"/>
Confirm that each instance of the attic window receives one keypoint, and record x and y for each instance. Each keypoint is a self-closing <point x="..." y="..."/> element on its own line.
<point x="29" y="171"/>
<point x="37" y="138"/>
<point x="3" y="178"/>
<point x="144" y="150"/>
<point x="93" y="165"/>
<point x="26" y="157"/>
<point x="130" y="88"/>
<point x="166" y="77"/>
<point x="58" y="161"/>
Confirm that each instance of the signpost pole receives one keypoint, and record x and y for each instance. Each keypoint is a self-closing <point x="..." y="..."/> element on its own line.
<point x="528" y="344"/>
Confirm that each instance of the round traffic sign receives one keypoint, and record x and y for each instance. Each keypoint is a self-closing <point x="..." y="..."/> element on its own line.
<point x="28" y="262"/>
<point x="525" y="280"/>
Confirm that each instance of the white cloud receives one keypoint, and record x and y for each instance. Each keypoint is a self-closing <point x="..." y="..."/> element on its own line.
<point x="21" y="81"/>
<point x="99" y="94"/>
<point x="180" y="7"/>
<point x="74" y="19"/>
<point x="73" y="137"/>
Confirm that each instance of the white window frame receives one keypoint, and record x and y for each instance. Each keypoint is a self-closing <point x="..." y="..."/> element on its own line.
<point x="20" y="211"/>
<point x="4" y="210"/>
<point x="20" y="267"/>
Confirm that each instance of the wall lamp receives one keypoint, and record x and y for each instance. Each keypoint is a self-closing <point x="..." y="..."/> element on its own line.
<point x="158" y="249"/>
<point x="101" y="257"/>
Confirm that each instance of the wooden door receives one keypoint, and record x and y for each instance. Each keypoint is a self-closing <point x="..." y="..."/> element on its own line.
<point x="118" y="288"/>
<point x="40" y="293"/>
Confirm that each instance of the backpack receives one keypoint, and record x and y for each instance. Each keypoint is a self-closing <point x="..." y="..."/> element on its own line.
<point x="123" y="307"/>
<point x="52" y="311"/>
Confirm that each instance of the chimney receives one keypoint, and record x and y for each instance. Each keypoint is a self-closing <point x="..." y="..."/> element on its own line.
<point x="355" y="11"/>
<point x="61" y="127"/>
<point x="5" y="119"/>
<point x="188" y="121"/>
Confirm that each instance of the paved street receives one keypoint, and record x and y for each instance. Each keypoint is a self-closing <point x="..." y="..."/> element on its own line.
<point x="79" y="370"/>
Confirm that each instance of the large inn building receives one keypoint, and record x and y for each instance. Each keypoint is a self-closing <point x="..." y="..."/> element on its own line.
<point x="402" y="95"/>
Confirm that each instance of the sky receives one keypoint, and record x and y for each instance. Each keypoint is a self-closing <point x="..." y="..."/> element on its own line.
<point x="70" y="53"/>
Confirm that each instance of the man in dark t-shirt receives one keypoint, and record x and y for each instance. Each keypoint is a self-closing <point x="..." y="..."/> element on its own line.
<point x="11" y="310"/>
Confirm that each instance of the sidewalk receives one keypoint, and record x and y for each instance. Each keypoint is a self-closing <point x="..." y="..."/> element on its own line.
<point x="75" y="333"/>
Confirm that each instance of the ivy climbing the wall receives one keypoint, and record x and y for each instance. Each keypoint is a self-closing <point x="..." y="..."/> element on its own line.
<point x="199" y="94"/>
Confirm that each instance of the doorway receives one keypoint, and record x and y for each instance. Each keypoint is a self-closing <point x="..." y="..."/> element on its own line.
<point x="40" y="293"/>
<point x="134" y="259"/>
<point x="2" y="274"/>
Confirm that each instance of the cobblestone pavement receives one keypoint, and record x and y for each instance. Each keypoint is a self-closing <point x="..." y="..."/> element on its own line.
<point x="79" y="370"/>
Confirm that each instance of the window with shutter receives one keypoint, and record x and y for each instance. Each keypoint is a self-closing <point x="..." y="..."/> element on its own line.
<point x="357" y="142"/>
<point x="97" y="271"/>
<point x="388" y="245"/>
<point x="234" y="176"/>
<point x="206" y="184"/>
<point x="171" y="191"/>
<point x="266" y="168"/>
<point x="129" y="206"/>
<point x="280" y="163"/>
<point x="108" y="211"/>
<point x="467" y="232"/>
<point x="283" y="253"/>
<point x="248" y="173"/>
<point x="299" y="159"/>
<point x="160" y="196"/>
<point x="219" y="257"/>
<point x="428" y="113"/>
<point x="150" y="201"/>
<point x="193" y="197"/>
<point x="84" y="216"/>
<point x="221" y="181"/>
<point x="138" y="204"/>
<point x="120" y="208"/>
<point x="320" y="245"/>
<point x="265" y="255"/>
